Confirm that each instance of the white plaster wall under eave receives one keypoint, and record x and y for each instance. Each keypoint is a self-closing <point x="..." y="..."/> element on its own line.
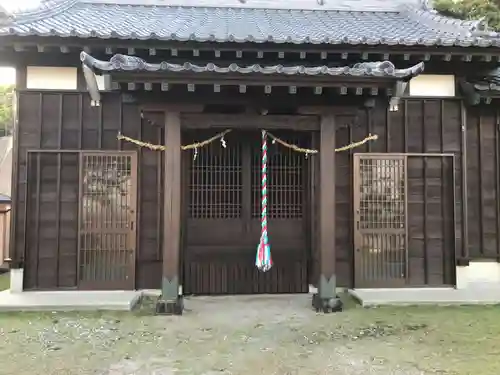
<point x="479" y="274"/>
<point x="56" y="78"/>
<point x="432" y="85"/>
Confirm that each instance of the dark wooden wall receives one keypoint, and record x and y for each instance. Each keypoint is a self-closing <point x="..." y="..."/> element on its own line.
<point x="51" y="121"/>
<point x="483" y="180"/>
<point x="420" y="126"/>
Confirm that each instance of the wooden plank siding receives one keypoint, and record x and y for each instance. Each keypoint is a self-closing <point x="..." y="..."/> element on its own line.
<point x="483" y="180"/>
<point x="66" y="121"/>
<point x="420" y="126"/>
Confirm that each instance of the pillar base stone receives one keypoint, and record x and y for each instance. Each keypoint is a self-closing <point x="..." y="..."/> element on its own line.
<point x="327" y="300"/>
<point x="171" y="301"/>
<point x="170" y="307"/>
<point x="327" y="305"/>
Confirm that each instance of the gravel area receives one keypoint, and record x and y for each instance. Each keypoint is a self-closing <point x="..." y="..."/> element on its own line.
<point x="250" y="335"/>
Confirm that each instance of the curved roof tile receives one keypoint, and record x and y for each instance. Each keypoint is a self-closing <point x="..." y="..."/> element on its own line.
<point x="124" y="63"/>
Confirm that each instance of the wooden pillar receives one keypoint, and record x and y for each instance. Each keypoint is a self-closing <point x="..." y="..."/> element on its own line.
<point x="170" y="301"/>
<point x="326" y="299"/>
<point x="465" y="257"/>
<point x="13" y="256"/>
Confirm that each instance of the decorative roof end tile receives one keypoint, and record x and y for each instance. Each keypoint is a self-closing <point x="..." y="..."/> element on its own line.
<point x="120" y="63"/>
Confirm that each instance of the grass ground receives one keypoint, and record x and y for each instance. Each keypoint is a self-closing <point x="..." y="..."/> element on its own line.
<point x="254" y="335"/>
<point x="4" y="281"/>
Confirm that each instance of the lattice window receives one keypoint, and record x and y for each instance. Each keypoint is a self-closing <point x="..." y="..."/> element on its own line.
<point x="286" y="176"/>
<point x="215" y="187"/>
<point x="382" y="189"/>
<point x="107" y="235"/>
<point x="105" y="191"/>
<point x="381" y="239"/>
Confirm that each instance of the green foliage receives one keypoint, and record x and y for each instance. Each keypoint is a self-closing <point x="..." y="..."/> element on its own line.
<point x="471" y="10"/>
<point x="6" y="111"/>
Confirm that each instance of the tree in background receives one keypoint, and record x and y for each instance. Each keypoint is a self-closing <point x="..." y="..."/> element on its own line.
<point x="6" y="111"/>
<point x="471" y="10"/>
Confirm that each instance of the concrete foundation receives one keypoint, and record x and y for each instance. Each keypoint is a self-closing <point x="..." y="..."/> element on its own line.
<point x="426" y="296"/>
<point x="477" y="283"/>
<point x="16" y="280"/>
<point x="478" y="275"/>
<point x="69" y="300"/>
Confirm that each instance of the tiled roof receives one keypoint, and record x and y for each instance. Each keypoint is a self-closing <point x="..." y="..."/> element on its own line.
<point x="123" y="63"/>
<point x="488" y="81"/>
<point x="356" y="22"/>
<point x="479" y="85"/>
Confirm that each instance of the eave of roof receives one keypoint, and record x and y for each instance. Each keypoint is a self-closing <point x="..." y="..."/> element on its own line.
<point x="406" y="23"/>
<point x="124" y="63"/>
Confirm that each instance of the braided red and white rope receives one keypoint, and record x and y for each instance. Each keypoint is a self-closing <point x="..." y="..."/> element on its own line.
<point x="263" y="259"/>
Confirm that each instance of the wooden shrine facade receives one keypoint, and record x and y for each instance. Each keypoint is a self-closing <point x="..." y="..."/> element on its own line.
<point x="430" y="173"/>
<point x="317" y="204"/>
<point x="108" y="193"/>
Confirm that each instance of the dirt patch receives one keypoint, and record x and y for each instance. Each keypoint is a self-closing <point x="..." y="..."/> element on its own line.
<point x="254" y="335"/>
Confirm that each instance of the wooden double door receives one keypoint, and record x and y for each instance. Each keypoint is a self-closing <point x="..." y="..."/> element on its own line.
<point x="222" y="201"/>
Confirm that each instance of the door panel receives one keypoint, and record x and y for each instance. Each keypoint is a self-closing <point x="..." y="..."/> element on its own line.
<point x="380" y="209"/>
<point x="107" y="236"/>
<point x="215" y="196"/>
<point x="223" y="218"/>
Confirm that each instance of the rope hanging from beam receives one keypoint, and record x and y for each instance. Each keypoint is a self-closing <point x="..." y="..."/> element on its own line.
<point x="263" y="260"/>
<point x="195" y="146"/>
<point x="309" y="151"/>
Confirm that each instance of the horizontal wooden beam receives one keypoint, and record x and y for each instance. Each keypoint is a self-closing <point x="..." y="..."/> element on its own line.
<point x="338" y="110"/>
<point x="211" y="79"/>
<point x="204" y="96"/>
<point x="197" y="121"/>
<point x="222" y="88"/>
<point x="260" y="50"/>
<point x="162" y="107"/>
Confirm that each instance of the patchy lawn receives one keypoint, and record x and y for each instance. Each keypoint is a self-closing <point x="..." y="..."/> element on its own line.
<point x="4" y="281"/>
<point x="254" y="335"/>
